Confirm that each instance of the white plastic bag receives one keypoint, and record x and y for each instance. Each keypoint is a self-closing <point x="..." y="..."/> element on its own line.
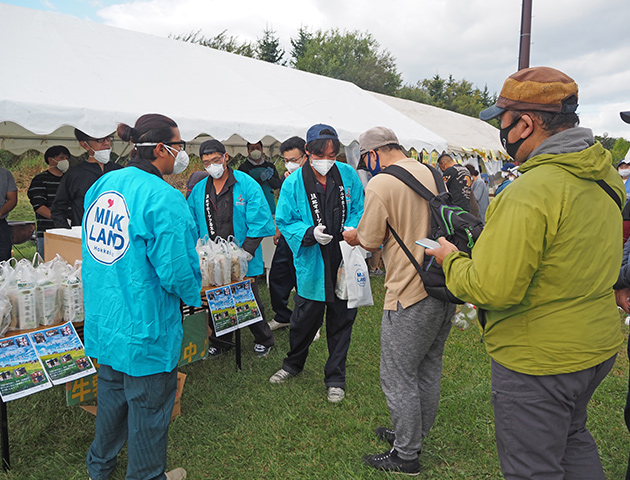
<point x="47" y="298"/>
<point x="22" y="295"/>
<point x="72" y="295"/>
<point x="341" y="288"/>
<point x="357" y="276"/>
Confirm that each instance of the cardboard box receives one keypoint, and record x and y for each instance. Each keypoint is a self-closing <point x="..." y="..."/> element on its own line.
<point x="177" y="406"/>
<point x="63" y="241"/>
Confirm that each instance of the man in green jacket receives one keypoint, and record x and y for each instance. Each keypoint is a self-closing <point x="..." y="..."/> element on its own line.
<point x="550" y="319"/>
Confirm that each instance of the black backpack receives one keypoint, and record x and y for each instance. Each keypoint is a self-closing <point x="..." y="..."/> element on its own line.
<point x="447" y="220"/>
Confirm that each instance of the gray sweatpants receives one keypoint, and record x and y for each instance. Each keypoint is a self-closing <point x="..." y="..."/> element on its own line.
<point x="412" y="343"/>
<point x="540" y="423"/>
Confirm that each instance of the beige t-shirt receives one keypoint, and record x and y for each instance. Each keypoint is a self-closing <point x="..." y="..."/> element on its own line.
<point x="388" y="200"/>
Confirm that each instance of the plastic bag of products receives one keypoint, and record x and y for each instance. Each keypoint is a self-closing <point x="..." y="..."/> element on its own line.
<point x="221" y="261"/>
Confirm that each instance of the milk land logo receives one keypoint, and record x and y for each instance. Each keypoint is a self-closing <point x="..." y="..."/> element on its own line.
<point x="106" y="228"/>
<point x="361" y="275"/>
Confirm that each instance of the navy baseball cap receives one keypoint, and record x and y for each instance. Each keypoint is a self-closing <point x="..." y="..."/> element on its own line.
<point x="211" y="146"/>
<point x="321" y="131"/>
<point x="508" y="167"/>
<point x="625" y="116"/>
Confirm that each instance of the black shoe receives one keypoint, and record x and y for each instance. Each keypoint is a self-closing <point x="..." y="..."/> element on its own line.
<point x="391" y="462"/>
<point x="386" y="434"/>
<point x="214" y="352"/>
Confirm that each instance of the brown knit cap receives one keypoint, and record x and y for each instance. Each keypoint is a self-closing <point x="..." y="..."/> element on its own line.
<point x="543" y="89"/>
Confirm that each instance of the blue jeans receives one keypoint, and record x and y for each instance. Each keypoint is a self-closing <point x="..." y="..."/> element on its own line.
<point x="136" y="410"/>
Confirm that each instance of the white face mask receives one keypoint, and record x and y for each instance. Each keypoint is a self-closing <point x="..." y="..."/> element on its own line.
<point x="624" y="172"/>
<point x="102" y="156"/>
<point x="215" y="170"/>
<point x="63" y="165"/>
<point x="255" y="154"/>
<point x="322" y="166"/>
<point x="292" y="166"/>
<point x="181" y="160"/>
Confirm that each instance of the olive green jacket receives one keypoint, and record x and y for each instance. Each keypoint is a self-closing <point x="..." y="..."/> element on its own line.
<point x="545" y="264"/>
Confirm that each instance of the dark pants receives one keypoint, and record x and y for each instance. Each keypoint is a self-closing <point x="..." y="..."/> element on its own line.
<point x="136" y="410"/>
<point x="540" y="423"/>
<point x="626" y="415"/>
<point x="307" y="318"/>
<point x="281" y="281"/>
<point x="261" y="331"/>
<point x="5" y="240"/>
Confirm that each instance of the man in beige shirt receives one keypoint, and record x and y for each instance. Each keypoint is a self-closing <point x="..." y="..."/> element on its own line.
<point x="415" y="326"/>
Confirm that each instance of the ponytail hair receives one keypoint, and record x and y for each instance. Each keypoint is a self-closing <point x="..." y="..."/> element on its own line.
<point x="149" y="128"/>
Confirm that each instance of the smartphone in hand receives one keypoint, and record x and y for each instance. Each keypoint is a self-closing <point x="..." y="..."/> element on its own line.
<point x="428" y="243"/>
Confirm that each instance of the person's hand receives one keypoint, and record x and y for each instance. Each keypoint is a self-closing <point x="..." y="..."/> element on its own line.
<point x="350" y="236"/>
<point x="266" y="175"/>
<point x="440" y="254"/>
<point x="248" y="256"/>
<point x="623" y="299"/>
<point x="276" y="237"/>
<point x="321" y="237"/>
<point x="286" y="174"/>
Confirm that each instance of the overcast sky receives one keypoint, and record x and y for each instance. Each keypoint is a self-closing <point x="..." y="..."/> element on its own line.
<point x="473" y="39"/>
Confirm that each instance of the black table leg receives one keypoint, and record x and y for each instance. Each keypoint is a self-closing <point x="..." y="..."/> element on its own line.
<point x="4" y="436"/>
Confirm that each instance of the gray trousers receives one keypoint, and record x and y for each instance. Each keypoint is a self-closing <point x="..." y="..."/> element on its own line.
<point x="540" y="423"/>
<point x="412" y="343"/>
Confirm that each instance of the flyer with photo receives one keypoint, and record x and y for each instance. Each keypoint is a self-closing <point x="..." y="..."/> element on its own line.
<point x="222" y="310"/>
<point x="232" y="307"/>
<point x="21" y="370"/>
<point x="62" y="353"/>
<point x="247" y="311"/>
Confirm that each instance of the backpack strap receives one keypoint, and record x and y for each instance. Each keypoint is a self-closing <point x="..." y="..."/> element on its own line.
<point x="413" y="183"/>
<point x="608" y="189"/>
<point x="406" y="250"/>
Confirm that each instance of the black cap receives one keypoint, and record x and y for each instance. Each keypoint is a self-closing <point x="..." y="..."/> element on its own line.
<point x="211" y="146"/>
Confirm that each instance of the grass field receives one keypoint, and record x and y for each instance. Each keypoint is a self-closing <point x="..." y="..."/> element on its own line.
<point x="236" y="425"/>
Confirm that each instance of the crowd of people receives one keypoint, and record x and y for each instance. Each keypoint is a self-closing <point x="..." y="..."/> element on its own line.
<point x="550" y="316"/>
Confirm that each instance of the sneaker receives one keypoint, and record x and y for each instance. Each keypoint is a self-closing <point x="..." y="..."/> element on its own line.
<point x="176" y="474"/>
<point x="386" y="434"/>
<point x="317" y="335"/>
<point x="391" y="462"/>
<point x="214" y="352"/>
<point x="335" y="394"/>
<point x="273" y="325"/>
<point x="377" y="272"/>
<point x="280" y="376"/>
<point x="261" y="351"/>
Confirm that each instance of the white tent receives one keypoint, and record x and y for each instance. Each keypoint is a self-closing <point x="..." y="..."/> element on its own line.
<point x="465" y="135"/>
<point x="61" y="72"/>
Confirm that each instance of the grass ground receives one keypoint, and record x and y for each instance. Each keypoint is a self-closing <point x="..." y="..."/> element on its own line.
<point x="236" y="425"/>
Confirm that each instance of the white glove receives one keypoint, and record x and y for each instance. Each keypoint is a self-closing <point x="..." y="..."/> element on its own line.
<point x="321" y="237"/>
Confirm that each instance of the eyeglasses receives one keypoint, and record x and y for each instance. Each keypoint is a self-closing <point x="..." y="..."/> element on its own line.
<point x="181" y="143"/>
<point x="293" y="160"/>
<point x="212" y="161"/>
<point x="108" y="139"/>
<point x="362" y="165"/>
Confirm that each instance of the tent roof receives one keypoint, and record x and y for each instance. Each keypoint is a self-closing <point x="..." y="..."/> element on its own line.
<point x="462" y="132"/>
<point x="61" y="72"/>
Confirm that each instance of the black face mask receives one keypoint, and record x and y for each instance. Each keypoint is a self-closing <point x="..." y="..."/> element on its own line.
<point x="510" y="148"/>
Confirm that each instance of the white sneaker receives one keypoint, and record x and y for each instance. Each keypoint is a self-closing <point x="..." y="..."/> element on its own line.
<point x="280" y="376"/>
<point x="273" y="325"/>
<point x="176" y="474"/>
<point x="317" y="335"/>
<point x="335" y="394"/>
